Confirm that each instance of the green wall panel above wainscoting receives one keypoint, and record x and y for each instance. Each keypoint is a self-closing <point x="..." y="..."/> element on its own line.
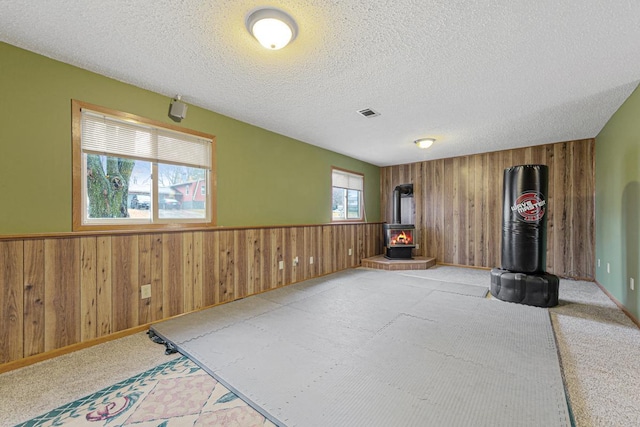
<point x="618" y="204"/>
<point x="263" y="178"/>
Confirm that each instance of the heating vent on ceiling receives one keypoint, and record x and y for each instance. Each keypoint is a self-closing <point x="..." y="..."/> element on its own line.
<point x="368" y="112"/>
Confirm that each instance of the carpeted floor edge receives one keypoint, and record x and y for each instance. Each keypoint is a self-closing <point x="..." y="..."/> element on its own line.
<point x="221" y="380"/>
<point x="565" y="385"/>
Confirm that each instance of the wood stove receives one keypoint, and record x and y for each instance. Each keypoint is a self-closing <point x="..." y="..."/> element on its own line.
<point x="399" y="238"/>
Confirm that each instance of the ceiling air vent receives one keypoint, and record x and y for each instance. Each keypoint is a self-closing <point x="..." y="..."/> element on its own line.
<point x="368" y="112"/>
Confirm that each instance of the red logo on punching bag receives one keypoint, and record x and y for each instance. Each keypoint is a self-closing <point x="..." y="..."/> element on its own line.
<point x="529" y="207"/>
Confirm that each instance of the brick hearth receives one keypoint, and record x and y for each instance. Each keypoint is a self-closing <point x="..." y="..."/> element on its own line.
<point x="382" y="263"/>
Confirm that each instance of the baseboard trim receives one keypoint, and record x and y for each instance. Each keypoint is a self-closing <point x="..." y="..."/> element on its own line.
<point x="619" y="304"/>
<point x="40" y="357"/>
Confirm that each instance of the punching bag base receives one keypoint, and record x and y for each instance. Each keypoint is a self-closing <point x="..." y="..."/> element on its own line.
<point x="539" y="290"/>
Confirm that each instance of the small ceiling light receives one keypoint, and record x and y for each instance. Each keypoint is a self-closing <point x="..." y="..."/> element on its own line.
<point x="425" y="142"/>
<point x="273" y="28"/>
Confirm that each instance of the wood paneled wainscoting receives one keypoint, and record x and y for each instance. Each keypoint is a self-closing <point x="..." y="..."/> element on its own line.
<point x="61" y="290"/>
<point x="458" y="205"/>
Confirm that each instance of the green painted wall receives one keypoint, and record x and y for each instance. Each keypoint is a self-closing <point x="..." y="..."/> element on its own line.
<point x="263" y="178"/>
<point x="618" y="203"/>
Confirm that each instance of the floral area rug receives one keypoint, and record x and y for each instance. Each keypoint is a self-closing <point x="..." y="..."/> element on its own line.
<point x="176" y="393"/>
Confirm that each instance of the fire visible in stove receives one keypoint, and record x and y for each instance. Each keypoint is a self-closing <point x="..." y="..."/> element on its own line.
<point x="399" y="240"/>
<point x="400" y="237"/>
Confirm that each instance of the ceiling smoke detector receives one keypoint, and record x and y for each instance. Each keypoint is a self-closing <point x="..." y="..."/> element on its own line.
<point x="368" y="112"/>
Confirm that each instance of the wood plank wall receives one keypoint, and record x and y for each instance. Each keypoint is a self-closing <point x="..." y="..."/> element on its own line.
<point x="458" y="205"/>
<point x="58" y="291"/>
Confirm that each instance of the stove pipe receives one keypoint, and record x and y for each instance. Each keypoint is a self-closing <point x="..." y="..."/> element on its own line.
<point x="404" y="189"/>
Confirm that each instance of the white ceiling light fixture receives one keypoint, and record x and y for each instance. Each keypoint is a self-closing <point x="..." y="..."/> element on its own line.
<point x="272" y="27"/>
<point x="425" y="142"/>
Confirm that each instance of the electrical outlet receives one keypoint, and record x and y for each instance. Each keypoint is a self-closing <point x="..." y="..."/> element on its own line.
<point x="350" y="251"/>
<point x="598" y="262"/>
<point x="281" y="265"/>
<point x="311" y="260"/>
<point x="295" y="261"/>
<point x="417" y="246"/>
<point x="632" y="283"/>
<point x="608" y="268"/>
<point x="145" y="291"/>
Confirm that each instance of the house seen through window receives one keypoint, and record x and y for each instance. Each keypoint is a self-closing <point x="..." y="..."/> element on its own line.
<point x="347" y="200"/>
<point x="136" y="171"/>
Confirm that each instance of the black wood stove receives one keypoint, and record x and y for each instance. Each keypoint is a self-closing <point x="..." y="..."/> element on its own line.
<point x="399" y="238"/>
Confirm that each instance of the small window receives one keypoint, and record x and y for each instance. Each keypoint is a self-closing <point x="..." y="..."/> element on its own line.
<point x="347" y="191"/>
<point x="131" y="172"/>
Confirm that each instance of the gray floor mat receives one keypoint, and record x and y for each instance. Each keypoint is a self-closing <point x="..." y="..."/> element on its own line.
<point x="373" y="348"/>
<point x="470" y="276"/>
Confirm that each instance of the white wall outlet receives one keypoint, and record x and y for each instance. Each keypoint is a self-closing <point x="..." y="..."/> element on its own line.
<point x="598" y="262"/>
<point x="281" y="265"/>
<point x="632" y="283"/>
<point x="350" y="251"/>
<point x="417" y="246"/>
<point x="145" y="291"/>
<point x="295" y="261"/>
<point x="608" y="268"/>
<point x="310" y="260"/>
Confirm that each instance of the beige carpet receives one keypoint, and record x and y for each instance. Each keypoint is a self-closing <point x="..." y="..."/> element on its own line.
<point x="36" y="389"/>
<point x="599" y="348"/>
<point x="175" y="393"/>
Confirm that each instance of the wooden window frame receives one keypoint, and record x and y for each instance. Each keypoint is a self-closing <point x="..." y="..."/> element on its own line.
<point x="362" y="207"/>
<point x="77" y="173"/>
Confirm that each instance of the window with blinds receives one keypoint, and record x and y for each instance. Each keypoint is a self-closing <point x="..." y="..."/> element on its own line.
<point x="347" y="191"/>
<point x="130" y="171"/>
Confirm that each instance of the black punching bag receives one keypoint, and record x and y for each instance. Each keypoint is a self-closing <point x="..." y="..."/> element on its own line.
<point x="524" y="219"/>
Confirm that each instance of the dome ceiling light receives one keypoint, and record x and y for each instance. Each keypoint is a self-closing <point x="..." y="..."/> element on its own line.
<point x="425" y="142"/>
<point x="272" y="27"/>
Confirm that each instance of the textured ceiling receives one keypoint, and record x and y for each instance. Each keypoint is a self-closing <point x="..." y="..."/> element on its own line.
<point x="478" y="75"/>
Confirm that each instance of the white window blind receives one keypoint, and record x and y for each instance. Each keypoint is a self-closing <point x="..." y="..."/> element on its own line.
<point x="347" y="180"/>
<point x="103" y="134"/>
